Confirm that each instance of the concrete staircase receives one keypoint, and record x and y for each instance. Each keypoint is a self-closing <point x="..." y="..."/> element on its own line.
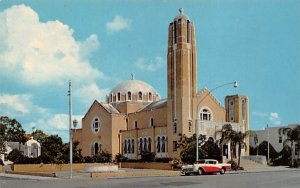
<point x="249" y="164"/>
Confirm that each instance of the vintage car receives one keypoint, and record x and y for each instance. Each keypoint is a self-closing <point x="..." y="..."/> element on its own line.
<point x="205" y="166"/>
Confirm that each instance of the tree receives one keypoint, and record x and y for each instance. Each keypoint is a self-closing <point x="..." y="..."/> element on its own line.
<point x="188" y="146"/>
<point x="16" y="156"/>
<point x="211" y="150"/>
<point x="293" y="136"/>
<point x="226" y="137"/>
<point x="235" y="138"/>
<point x="11" y="130"/>
<point x="263" y="150"/>
<point x="238" y="138"/>
<point x="39" y="135"/>
<point x="52" y="150"/>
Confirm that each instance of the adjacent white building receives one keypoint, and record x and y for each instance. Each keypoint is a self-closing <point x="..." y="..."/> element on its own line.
<point x="31" y="149"/>
<point x="275" y="139"/>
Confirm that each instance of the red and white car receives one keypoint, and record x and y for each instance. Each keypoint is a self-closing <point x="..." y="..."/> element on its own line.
<point x="205" y="166"/>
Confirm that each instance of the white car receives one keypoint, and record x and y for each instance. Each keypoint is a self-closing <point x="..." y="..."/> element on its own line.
<point x="205" y="166"/>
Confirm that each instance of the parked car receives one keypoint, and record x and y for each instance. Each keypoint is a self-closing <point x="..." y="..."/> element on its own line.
<point x="205" y="166"/>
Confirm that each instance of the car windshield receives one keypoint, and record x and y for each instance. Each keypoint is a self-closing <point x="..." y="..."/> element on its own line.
<point x="200" y="162"/>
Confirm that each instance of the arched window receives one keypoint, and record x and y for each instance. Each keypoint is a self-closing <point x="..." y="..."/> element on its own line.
<point x="145" y="144"/>
<point x="141" y="145"/>
<point x="150" y="96"/>
<point x="135" y="124"/>
<point x="125" y="146"/>
<point x="96" y="148"/>
<point x="163" y="144"/>
<point x="129" y="146"/>
<point x="132" y="145"/>
<point x="119" y="96"/>
<point x="158" y="144"/>
<point x="140" y="96"/>
<point x="95" y="125"/>
<point x="205" y="114"/>
<point x="190" y="126"/>
<point x="151" y="122"/>
<point x="129" y="95"/>
<point x="149" y="144"/>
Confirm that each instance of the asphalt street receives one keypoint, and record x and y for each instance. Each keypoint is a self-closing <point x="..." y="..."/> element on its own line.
<point x="284" y="179"/>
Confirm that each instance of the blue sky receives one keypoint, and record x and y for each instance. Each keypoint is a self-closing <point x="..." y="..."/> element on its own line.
<point x="98" y="44"/>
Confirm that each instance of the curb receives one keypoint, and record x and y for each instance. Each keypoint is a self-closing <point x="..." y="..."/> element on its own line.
<point x="22" y="176"/>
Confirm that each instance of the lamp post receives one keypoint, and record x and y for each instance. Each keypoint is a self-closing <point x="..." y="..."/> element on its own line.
<point x="70" y="127"/>
<point x="75" y="122"/>
<point x="197" y="124"/>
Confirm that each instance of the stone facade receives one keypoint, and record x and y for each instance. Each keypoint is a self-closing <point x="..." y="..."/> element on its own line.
<point x="135" y="119"/>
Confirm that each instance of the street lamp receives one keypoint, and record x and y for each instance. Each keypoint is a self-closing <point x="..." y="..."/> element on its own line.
<point x="197" y="124"/>
<point x="75" y="122"/>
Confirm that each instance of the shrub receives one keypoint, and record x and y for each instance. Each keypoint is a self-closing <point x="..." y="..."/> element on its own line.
<point x="102" y="157"/>
<point x="234" y="165"/>
<point x="16" y="156"/>
<point x="147" y="156"/>
<point x="88" y="159"/>
<point x="120" y="158"/>
<point x="163" y="160"/>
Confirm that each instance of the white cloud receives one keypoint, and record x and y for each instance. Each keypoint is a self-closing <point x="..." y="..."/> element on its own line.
<point x="88" y="93"/>
<point x="274" y="118"/>
<point x="43" y="52"/>
<point x="153" y="65"/>
<point x="119" y="23"/>
<point x="55" y="124"/>
<point x="18" y="105"/>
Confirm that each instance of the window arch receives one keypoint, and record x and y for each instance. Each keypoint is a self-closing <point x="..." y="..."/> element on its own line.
<point x="129" y="146"/>
<point x="125" y="147"/>
<point x="129" y="95"/>
<point x="190" y="126"/>
<point x="163" y="144"/>
<point x="150" y="96"/>
<point x="151" y="122"/>
<point x="119" y="96"/>
<point x="140" y="95"/>
<point x="96" y="148"/>
<point x="141" y="145"/>
<point x="132" y="145"/>
<point x="149" y="144"/>
<point x="158" y="144"/>
<point x="145" y="144"/>
<point x="205" y="114"/>
<point x="95" y="125"/>
<point x="135" y="124"/>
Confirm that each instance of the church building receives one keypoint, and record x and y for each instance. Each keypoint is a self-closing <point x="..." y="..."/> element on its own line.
<point x="134" y="118"/>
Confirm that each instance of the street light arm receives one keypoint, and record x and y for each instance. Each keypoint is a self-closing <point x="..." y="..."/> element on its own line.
<point x="235" y="84"/>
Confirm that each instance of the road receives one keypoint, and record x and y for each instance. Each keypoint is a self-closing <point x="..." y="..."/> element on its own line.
<point x="286" y="179"/>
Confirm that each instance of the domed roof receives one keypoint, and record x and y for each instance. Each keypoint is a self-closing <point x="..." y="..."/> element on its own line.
<point x="181" y="15"/>
<point x="134" y="86"/>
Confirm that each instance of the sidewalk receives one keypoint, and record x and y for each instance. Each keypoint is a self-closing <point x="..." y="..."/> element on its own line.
<point x="127" y="173"/>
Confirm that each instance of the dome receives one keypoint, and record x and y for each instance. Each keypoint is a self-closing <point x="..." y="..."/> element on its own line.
<point x="133" y="86"/>
<point x="181" y="16"/>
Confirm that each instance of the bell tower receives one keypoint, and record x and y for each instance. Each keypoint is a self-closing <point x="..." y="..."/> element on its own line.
<point x="182" y="78"/>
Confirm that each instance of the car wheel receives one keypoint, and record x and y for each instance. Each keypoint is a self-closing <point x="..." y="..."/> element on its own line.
<point x="200" y="171"/>
<point x="222" y="171"/>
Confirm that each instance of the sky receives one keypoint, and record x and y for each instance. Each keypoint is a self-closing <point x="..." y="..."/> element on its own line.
<point x="98" y="44"/>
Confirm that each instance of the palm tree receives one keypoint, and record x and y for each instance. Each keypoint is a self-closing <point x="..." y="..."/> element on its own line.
<point x="226" y="137"/>
<point x="235" y="138"/>
<point x="293" y="136"/>
<point x="238" y="138"/>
